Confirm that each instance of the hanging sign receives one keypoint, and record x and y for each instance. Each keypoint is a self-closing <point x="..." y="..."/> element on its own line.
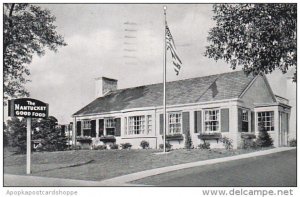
<point x="28" y="108"/>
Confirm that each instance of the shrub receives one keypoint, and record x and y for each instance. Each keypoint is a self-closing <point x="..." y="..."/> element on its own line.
<point x="264" y="139"/>
<point x="168" y="146"/>
<point x="227" y="143"/>
<point x="188" y="140"/>
<point x="114" y="146"/>
<point x="126" y="145"/>
<point x="100" y="147"/>
<point x="248" y="144"/>
<point x="293" y="143"/>
<point x="144" y="144"/>
<point x="204" y="145"/>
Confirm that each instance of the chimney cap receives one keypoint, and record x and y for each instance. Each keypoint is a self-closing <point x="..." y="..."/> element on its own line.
<point x="106" y="78"/>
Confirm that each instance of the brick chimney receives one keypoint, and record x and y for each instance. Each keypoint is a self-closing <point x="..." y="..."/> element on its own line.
<point x="103" y="85"/>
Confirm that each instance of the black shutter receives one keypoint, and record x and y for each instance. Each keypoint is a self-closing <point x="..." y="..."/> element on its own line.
<point x="198" y="121"/>
<point x="101" y="127"/>
<point x="93" y="128"/>
<point x="225" y="120"/>
<point x="118" y="127"/>
<point x="240" y="120"/>
<point x="252" y="121"/>
<point x="161" y="124"/>
<point x="78" y="128"/>
<point x="185" y="122"/>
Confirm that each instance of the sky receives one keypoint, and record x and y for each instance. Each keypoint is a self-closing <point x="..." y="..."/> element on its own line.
<point x="124" y="42"/>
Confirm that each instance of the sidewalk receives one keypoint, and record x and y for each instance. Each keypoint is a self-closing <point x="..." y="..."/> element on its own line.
<point x="23" y="180"/>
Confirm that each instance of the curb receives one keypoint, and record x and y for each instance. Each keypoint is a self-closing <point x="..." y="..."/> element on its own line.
<point x="121" y="180"/>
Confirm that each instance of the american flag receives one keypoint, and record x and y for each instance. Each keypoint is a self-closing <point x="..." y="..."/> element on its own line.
<point x="171" y="46"/>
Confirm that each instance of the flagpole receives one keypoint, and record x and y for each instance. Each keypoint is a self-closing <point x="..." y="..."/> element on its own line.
<point x="164" y="78"/>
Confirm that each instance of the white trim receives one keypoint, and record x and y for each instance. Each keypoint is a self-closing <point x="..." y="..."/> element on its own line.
<point x="269" y="87"/>
<point x="249" y="86"/>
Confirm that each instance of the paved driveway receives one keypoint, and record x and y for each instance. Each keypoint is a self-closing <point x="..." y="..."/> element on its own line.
<point x="278" y="169"/>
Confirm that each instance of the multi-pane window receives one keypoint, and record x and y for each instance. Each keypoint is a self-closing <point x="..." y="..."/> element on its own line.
<point x="212" y="120"/>
<point x="174" y="123"/>
<point x="86" y="124"/>
<point x="267" y="118"/>
<point x="149" y="124"/>
<point x="86" y="128"/>
<point x="110" y="126"/>
<point x="245" y="121"/>
<point x="136" y="125"/>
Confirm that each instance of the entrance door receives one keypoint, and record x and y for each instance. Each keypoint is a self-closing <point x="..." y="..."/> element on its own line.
<point x="283" y="137"/>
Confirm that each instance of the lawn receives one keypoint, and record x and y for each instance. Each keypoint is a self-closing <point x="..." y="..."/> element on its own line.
<point x="103" y="164"/>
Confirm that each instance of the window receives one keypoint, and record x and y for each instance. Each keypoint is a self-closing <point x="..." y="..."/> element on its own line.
<point x="110" y="125"/>
<point x="267" y="118"/>
<point x="149" y="124"/>
<point x="174" y="123"/>
<point x="245" y="121"/>
<point x="86" y="128"/>
<point x="212" y="120"/>
<point x="136" y="125"/>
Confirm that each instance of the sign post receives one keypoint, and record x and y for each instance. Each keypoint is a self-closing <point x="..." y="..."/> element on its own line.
<point x="28" y="151"/>
<point x="28" y="108"/>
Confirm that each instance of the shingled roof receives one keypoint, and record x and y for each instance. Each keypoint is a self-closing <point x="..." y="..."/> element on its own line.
<point x="201" y="89"/>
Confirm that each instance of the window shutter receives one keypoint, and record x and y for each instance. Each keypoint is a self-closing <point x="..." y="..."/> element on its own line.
<point x="252" y="121"/>
<point x="118" y="127"/>
<point x="240" y="122"/>
<point x="101" y="127"/>
<point x="78" y="128"/>
<point x="161" y="124"/>
<point x="225" y="120"/>
<point x="93" y="128"/>
<point x="185" y="122"/>
<point x="198" y="121"/>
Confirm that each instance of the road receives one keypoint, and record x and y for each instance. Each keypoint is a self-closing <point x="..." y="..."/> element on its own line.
<point x="277" y="169"/>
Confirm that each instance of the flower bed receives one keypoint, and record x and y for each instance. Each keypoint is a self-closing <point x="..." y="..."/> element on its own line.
<point x="210" y="136"/>
<point x="108" y="138"/>
<point x="84" y="139"/>
<point x="248" y="136"/>
<point x="173" y="137"/>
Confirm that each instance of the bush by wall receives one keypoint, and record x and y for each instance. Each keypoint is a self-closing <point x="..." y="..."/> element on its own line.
<point x="144" y="144"/>
<point x="188" y="144"/>
<point x="204" y="145"/>
<point x="100" y="147"/>
<point x="114" y="146"/>
<point x="248" y="144"/>
<point x="227" y="143"/>
<point x="264" y="139"/>
<point x="126" y="145"/>
<point x="293" y="143"/>
<point x="168" y="146"/>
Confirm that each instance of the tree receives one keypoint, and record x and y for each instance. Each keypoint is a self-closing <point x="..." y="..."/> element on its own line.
<point x="47" y="130"/>
<point x="16" y="133"/>
<point x="51" y="136"/>
<point x="188" y="144"/>
<point x="264" y="139"/>
<point x="258" y="37"/>
<point x="27" y="30"/>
